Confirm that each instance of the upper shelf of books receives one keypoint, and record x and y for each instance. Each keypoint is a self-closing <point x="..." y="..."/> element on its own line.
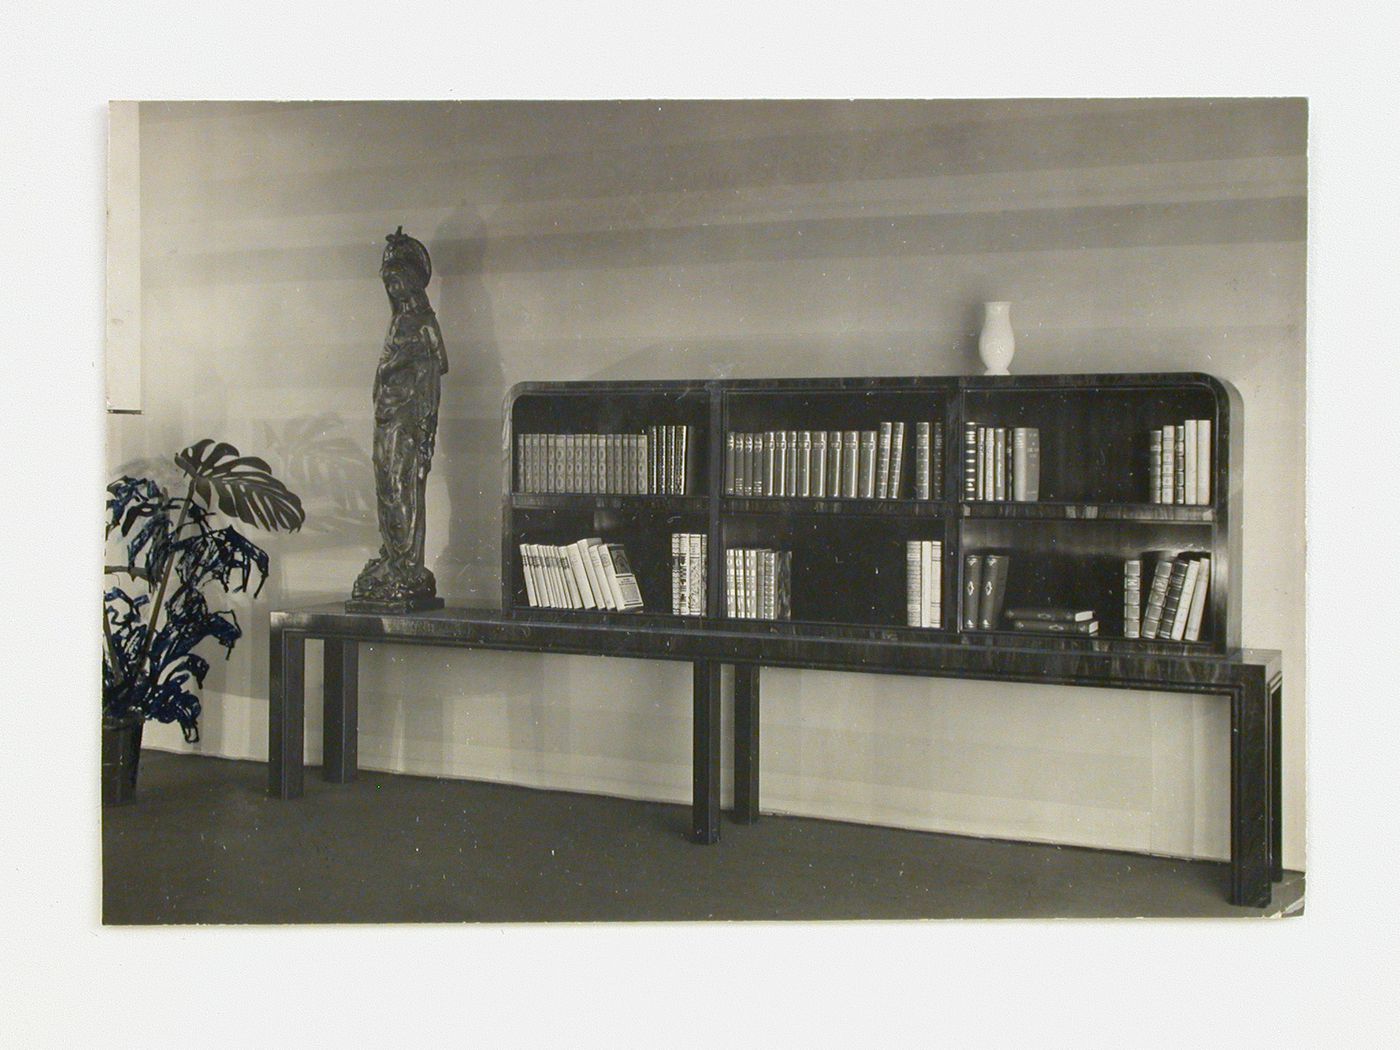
<point x="1128" y="447"/>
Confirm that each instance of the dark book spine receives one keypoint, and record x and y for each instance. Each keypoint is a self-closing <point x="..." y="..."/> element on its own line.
<point x="994" y="568"/>
<point x="1049" y="614"/>
<point x="1156" y="598"/>
<point x="1043" y="627"/>
<point x="1175" y="583"/>
<point x="971" y="590"/>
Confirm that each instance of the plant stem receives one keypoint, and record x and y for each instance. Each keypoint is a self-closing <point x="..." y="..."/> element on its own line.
<point x="164" y="580"/>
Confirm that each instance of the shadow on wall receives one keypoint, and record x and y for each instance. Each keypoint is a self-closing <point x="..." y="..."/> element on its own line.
<point x="468" y="442"/>
<point x="331" y="472"/>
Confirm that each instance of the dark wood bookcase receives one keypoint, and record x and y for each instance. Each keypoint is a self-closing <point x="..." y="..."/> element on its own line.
<point x="1067" y="548"/>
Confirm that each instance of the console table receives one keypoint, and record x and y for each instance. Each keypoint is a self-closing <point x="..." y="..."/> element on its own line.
<point x="1250" y="680"/>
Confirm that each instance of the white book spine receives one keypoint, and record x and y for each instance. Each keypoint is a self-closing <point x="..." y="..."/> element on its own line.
<point x="1203" y="462"/>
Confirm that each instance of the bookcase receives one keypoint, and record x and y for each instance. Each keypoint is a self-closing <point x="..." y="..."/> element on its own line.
<point x="1098" y="501"/>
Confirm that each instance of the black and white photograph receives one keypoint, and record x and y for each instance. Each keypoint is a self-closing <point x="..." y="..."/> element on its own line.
<point x="576" y="531"/>
<point x="836" y="506"/>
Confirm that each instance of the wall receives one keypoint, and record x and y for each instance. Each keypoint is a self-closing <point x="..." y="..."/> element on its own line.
<point x="692" y="239"/>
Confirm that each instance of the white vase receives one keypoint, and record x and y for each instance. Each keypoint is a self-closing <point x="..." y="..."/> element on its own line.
<point x="998" y="342"/>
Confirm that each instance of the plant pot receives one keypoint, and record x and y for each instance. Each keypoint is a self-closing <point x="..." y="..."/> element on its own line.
<point x="121" y="757"/>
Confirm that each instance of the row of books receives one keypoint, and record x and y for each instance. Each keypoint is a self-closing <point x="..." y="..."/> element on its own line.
<point x="835" y="464"/>
<point x="586" y="574"/>
<point x="1001" y="463"/>
<point x="758" y="583"/>
<point x="1178" y="463"/>
<point x="689" y="556"/>
<point x="657" y="462"/>
<point x="983" y="590"/>
<point x="1176" y="598"/>
<point x="924" y="579"/>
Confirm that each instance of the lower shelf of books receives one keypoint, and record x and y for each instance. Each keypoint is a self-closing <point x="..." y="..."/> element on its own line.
<point x="809" y="568"/>
<point x="606" y="560"/>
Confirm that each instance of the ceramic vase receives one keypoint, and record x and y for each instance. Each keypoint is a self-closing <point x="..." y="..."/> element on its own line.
<point x="998" y="342"/>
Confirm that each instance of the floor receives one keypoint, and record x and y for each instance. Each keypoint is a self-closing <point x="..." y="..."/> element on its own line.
<point x="202" y="843"/>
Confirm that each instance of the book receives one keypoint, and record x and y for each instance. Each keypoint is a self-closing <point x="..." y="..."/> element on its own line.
<point x="751" y="582"/>
<point x="758" y="480"/>
<point x="804" y="465"/>
<point x="1051" y="627"/>
<point x="597" y="576"/>
<point x="882" y="460"/>
<point x="834" y="467"/>
<point x="999" y="491"/>
<point x="923" y="460"/>
<point x="914" y="583"/>
<point x="1179" y="464"/>
<point x="1203" y="461"/>
<point x="1183" y="607"/>
<point x="819" y="464"/>
<point x="1196" y="616"/>
<point x="1175" y="582"/>
<point x="768" y="605"/>
<point x="897" y="460"/>
<point x="994" y="570"/>
<point x="1156" y="597"/>
<point x="790" y="479"/>
<point x="1189" y="461"/>
<point x="1154" y="466"/>
<point x="868" y="440"/>
<point x="971" y="591"/>
<point x="580" y="577"/>
<point x="969" y="473"/>
<point x="527" y="570"/>
<point x="1132" y="597"/>
<point x="620" y="576"/>
<point x="678" y="583"/>
<point x="936" y="462"/>
<point x="1025" y="469"/>
<point x="780" y="458"/>
<point x="850" y="463"/>
<point x="1049" y="614"/>
<point x="731" y="587"/>
<point x="983" y="464"/>
<point x="1168" y="475"/>
<point x="695" y="575"/>
<point x="783" y="586"/>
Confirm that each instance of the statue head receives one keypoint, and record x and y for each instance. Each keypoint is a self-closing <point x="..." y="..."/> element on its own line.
<point x="406" y="267"/>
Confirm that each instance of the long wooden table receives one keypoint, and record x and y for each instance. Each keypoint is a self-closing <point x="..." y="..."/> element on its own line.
<point x="1251" y="680"/>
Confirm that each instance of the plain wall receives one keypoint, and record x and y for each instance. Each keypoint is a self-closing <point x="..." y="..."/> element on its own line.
<point x="712" y="239"/>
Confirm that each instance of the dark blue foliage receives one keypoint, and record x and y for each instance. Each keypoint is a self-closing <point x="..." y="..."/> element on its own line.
<point x="158" y="675"/>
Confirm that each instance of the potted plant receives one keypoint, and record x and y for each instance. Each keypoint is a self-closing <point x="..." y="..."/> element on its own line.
<point x="174" y="549"/>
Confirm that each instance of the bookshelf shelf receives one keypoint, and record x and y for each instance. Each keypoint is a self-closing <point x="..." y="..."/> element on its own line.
<point x="1056" y="511"/>
<point x="887" y="508"/>
<point x="580" y="501"/>
<point x="1088" y="446"/>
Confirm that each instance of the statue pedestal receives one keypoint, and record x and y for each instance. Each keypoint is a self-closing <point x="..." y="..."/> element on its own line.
<point x="400" y="605"/>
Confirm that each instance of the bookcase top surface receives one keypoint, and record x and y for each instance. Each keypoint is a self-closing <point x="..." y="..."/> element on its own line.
<point x="1030" y="381"/>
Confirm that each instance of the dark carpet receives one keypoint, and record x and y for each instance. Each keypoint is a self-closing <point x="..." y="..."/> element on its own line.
<point x="202" y="843"/>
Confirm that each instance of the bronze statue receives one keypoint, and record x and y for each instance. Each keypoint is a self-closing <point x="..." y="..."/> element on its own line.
<point x="407" y="386"/>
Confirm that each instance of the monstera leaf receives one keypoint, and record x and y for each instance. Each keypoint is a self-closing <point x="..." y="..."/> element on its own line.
<point x="243" y="486"/>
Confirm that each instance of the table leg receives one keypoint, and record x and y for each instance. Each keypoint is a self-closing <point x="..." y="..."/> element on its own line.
<point x="1250" y="866"/>
<point x="286" y="712"/>
<point x="341" y="719"/>
<point x="1276" y="784"/>
<point x="746" y="743"/>
<point x="705" y="758"/>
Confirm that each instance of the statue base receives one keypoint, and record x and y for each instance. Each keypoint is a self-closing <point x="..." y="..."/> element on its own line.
<point x="395" y="605"/>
